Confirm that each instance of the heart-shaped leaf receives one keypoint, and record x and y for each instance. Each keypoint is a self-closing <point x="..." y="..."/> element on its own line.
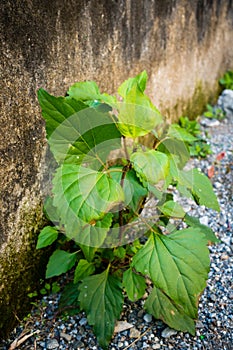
<point x="84" y="199"/>
<point x="76" y="133"/>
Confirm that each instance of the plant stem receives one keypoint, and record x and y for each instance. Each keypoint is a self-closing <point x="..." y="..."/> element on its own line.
<point x="121" y="221"/>
<point x="161" y="141"/>
<point x="125" y="149"/>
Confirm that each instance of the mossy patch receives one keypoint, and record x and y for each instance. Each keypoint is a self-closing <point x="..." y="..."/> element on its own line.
<point x="196" y="104"/>
<point x="21" y="269"/>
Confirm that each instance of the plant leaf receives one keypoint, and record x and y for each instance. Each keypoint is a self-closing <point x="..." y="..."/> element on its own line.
<point x="50" y="211"/>
<point x="134" y="191"/>
<point x="76" y="133"/>
<point x="134" y="285"/>
<point x="119" y="252"/>
<point x="88" y="251"/>
<point x="89" y="91"/>
<point x="69" y="298"/>
<point x="200" y="187"/>
<point x="46" y="237"/>
<point x="171" y="208"/>
<point x="60" y="262"/>
<point x="206" y="230"/>
<point x="84" y="91"/>
<point x="101" y="298"/>
<point x="56" y="110"/>
<point x="140" y="81"/>
<point x="177" y="151"/>
<point x="178" y="264"/>
<point x="83" y="269"/>
<point x="180" y="133"/>
<point x="137" y="115"/>
<point x="151" y="166"/>
<point x="83" y="197"/>
<point x="162" y="307"/>
<point x="93" y="235"/>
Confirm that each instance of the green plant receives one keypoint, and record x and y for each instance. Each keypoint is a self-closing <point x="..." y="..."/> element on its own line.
<point x="214" y="112"/>
<point x="200" y="148"/>
<point x="227" y="80"/>
<point x="192" y="126"/>
<point x="197" y="144"/>
<point x="46" y="289"/>
<point x="103" y="225"/>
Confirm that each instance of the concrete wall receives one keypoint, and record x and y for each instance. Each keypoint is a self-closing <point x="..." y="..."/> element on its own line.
<point x="184" y="45"/>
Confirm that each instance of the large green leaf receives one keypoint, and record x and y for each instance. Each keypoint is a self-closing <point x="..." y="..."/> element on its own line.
<point x="56" y="110"/>
<point x="151" y="166"/>
<point x="162" y="307"/>
<point x="137" y="116"/>
<point x="46" y="237"/>
<point x="140" y="81"/>
<point x="200" y="187"/>
<point x="88" y="193"/>
<point x="60" y="262"/>
<point x="178" y="264"/>
<point x="177" y="151"/>
<point x="83" y="197"/>
<point x="101" y="298"/>
<point x="134" y="285"/>
<point x="77" y="133"/>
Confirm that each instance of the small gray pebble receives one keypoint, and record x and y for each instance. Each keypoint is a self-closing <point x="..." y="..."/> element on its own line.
<point x="217" y="184"/>
<point x="134" y="333"/>
<point x="83" y="321"/>
<point x="213" y="297"/>
<point x="199" y="324"/>
<point x="168" y="332"/>
<point x="140" y="313"/>
<point x="78" y="344"/>
<point x="156" y="346"/>
<point x="226" y="240"/>
<point x="52" y="344"/>
<point x="120" y="344"/>
<point x="204" y="220"/>
<point x="147" y="318"/>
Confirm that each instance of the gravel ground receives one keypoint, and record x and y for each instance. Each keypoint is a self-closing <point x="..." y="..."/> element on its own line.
<point x="215" y="325"/>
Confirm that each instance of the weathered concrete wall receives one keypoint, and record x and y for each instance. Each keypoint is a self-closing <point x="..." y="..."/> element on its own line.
<point x="184" y="45"/>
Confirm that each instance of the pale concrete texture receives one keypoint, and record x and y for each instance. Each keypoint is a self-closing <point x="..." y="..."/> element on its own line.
<point x="185" y="46"/>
